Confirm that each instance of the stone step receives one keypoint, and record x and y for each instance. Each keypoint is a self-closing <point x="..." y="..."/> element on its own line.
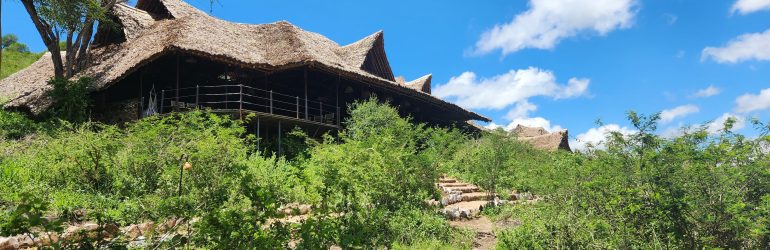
<point x="477" y="196"/>
<point x="464" y="210"/>
<point x="463" y="189"/>
<point x="453" y="184"/>
<point x="446" y="180"/>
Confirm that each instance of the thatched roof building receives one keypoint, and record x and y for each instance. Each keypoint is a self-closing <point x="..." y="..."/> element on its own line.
<point x="542" y="139"/>
<point x="151" y="34"/>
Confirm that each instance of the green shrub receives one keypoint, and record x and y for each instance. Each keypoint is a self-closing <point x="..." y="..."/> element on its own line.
<point x="14" y="125"/>
<point x="690" y="192"/>
<point x="371" y="176"/>
<point x="71" y="99"/>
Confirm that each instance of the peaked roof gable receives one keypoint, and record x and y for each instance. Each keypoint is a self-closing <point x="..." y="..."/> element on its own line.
<point x="369" y="55"/>
<point x="420" y="84"/>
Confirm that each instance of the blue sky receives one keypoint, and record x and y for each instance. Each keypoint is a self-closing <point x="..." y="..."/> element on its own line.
<point x="561" y="64"/>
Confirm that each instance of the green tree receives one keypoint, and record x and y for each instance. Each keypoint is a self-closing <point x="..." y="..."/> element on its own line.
<point x="72" y="20"/>
<point x="8" y="40"/>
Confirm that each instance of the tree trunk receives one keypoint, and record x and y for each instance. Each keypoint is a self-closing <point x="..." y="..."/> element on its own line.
<point x="50" y="39"/>
<point x="77" y="50"/>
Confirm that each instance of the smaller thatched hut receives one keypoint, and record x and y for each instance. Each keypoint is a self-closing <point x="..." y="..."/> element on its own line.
<point x="541" y="138"/>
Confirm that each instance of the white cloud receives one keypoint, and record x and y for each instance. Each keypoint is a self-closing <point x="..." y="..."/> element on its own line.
<point x="522" y="109"/>
<point x="709" y="91"/>
<point x="547" y="22"/>
<point x="749" y="6"/>
<point x="751" y="46"/>
<point x="529" y="122"/>
<point x="751" y="102"/>
<point x="597" y="136"/>
<point x="502" y="91"/>
<point x="669" y="115"/>
<point x="716" y="126"/>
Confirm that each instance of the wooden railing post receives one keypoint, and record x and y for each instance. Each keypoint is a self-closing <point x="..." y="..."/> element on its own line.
<point x="271" y="101"/>
<point x="162" y="96"/>
<point x="297" y="107"/>
<point x="240" y="101"/>
<point x="240" y="97"/>
<point x="197" y="94"/>
<point x="338" y="116"/>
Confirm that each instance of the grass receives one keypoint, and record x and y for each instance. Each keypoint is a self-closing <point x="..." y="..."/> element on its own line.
<point x="14" y="61"/>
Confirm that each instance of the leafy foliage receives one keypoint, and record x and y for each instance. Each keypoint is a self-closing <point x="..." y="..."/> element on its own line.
<point x="367" y="190"/>
<point x="690" y="192"/>
<point x="71" y="100"/>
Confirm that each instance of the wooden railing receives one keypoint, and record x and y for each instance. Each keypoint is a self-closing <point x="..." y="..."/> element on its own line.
<point x="246" y="98"/>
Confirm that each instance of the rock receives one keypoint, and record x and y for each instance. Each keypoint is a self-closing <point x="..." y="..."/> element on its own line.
<point x="25" y="241"/>
<point x="9" y="243"/>
<point x="48" y="239"/>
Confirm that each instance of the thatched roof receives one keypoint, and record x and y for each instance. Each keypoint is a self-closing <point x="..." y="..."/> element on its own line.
<point x="542" y="139"/>
<point x="421" y="84"/>
<point x="159" y="27"/>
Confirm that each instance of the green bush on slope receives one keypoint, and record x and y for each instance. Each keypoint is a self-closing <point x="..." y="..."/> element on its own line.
<point x="368" y="190"/>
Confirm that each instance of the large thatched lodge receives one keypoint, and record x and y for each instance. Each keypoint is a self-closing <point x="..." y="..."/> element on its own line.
<point x="165" y="55"/>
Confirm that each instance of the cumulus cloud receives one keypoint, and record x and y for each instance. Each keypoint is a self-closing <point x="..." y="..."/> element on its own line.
<point x="597" y="136"/>
<point x="716" y="126"/>
<point x="749" y="6"/>
<point x="669" y="115"/>
<point x="547" y="22"/>
<point x="709" y="91"/>
<point x="751" y="46"/>
<point x="513" y="87"/>
<point x="751" y="102"/>
<point x="529" y="122"/>
<point x="521" y="109"/>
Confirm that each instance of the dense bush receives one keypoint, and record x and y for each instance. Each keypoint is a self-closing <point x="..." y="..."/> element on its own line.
<point x="71" y="99"/>
<point x="14" y="125"/>
<point x="644" y="191"/>
<point x="374" y="177"/>
<point x="368" y="187"/>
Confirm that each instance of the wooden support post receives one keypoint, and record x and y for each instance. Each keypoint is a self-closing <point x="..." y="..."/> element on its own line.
<point x="258" y="138"/>
<point x="338" y="116"/>
<point x="177" y="83"/>
<point x="305" y="80"/>
<point x="240" y="102"/>
<point x="279" y="138"/>
<point x="197" y="96"/>
<point x="141" y="92"/>
<point x="337" y="92"/>
<point x="162" y="96"/>
<point x="271" y="101"/>
<point x="321" y="110"/>
<point x="182" y="160"/>
<point x="297" y="107"/>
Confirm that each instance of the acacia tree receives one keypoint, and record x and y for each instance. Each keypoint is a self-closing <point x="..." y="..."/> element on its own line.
<point x="72" y="20"/>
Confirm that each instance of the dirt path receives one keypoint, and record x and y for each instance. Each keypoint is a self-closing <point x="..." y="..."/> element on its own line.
<point x="484" y="229"/>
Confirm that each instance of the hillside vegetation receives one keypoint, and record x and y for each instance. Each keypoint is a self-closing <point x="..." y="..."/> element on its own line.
<point x="368" y="186"/>
<point x="16" y="56"/>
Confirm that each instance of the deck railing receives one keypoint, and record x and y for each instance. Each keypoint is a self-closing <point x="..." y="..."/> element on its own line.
<point x="242" y="98"/>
